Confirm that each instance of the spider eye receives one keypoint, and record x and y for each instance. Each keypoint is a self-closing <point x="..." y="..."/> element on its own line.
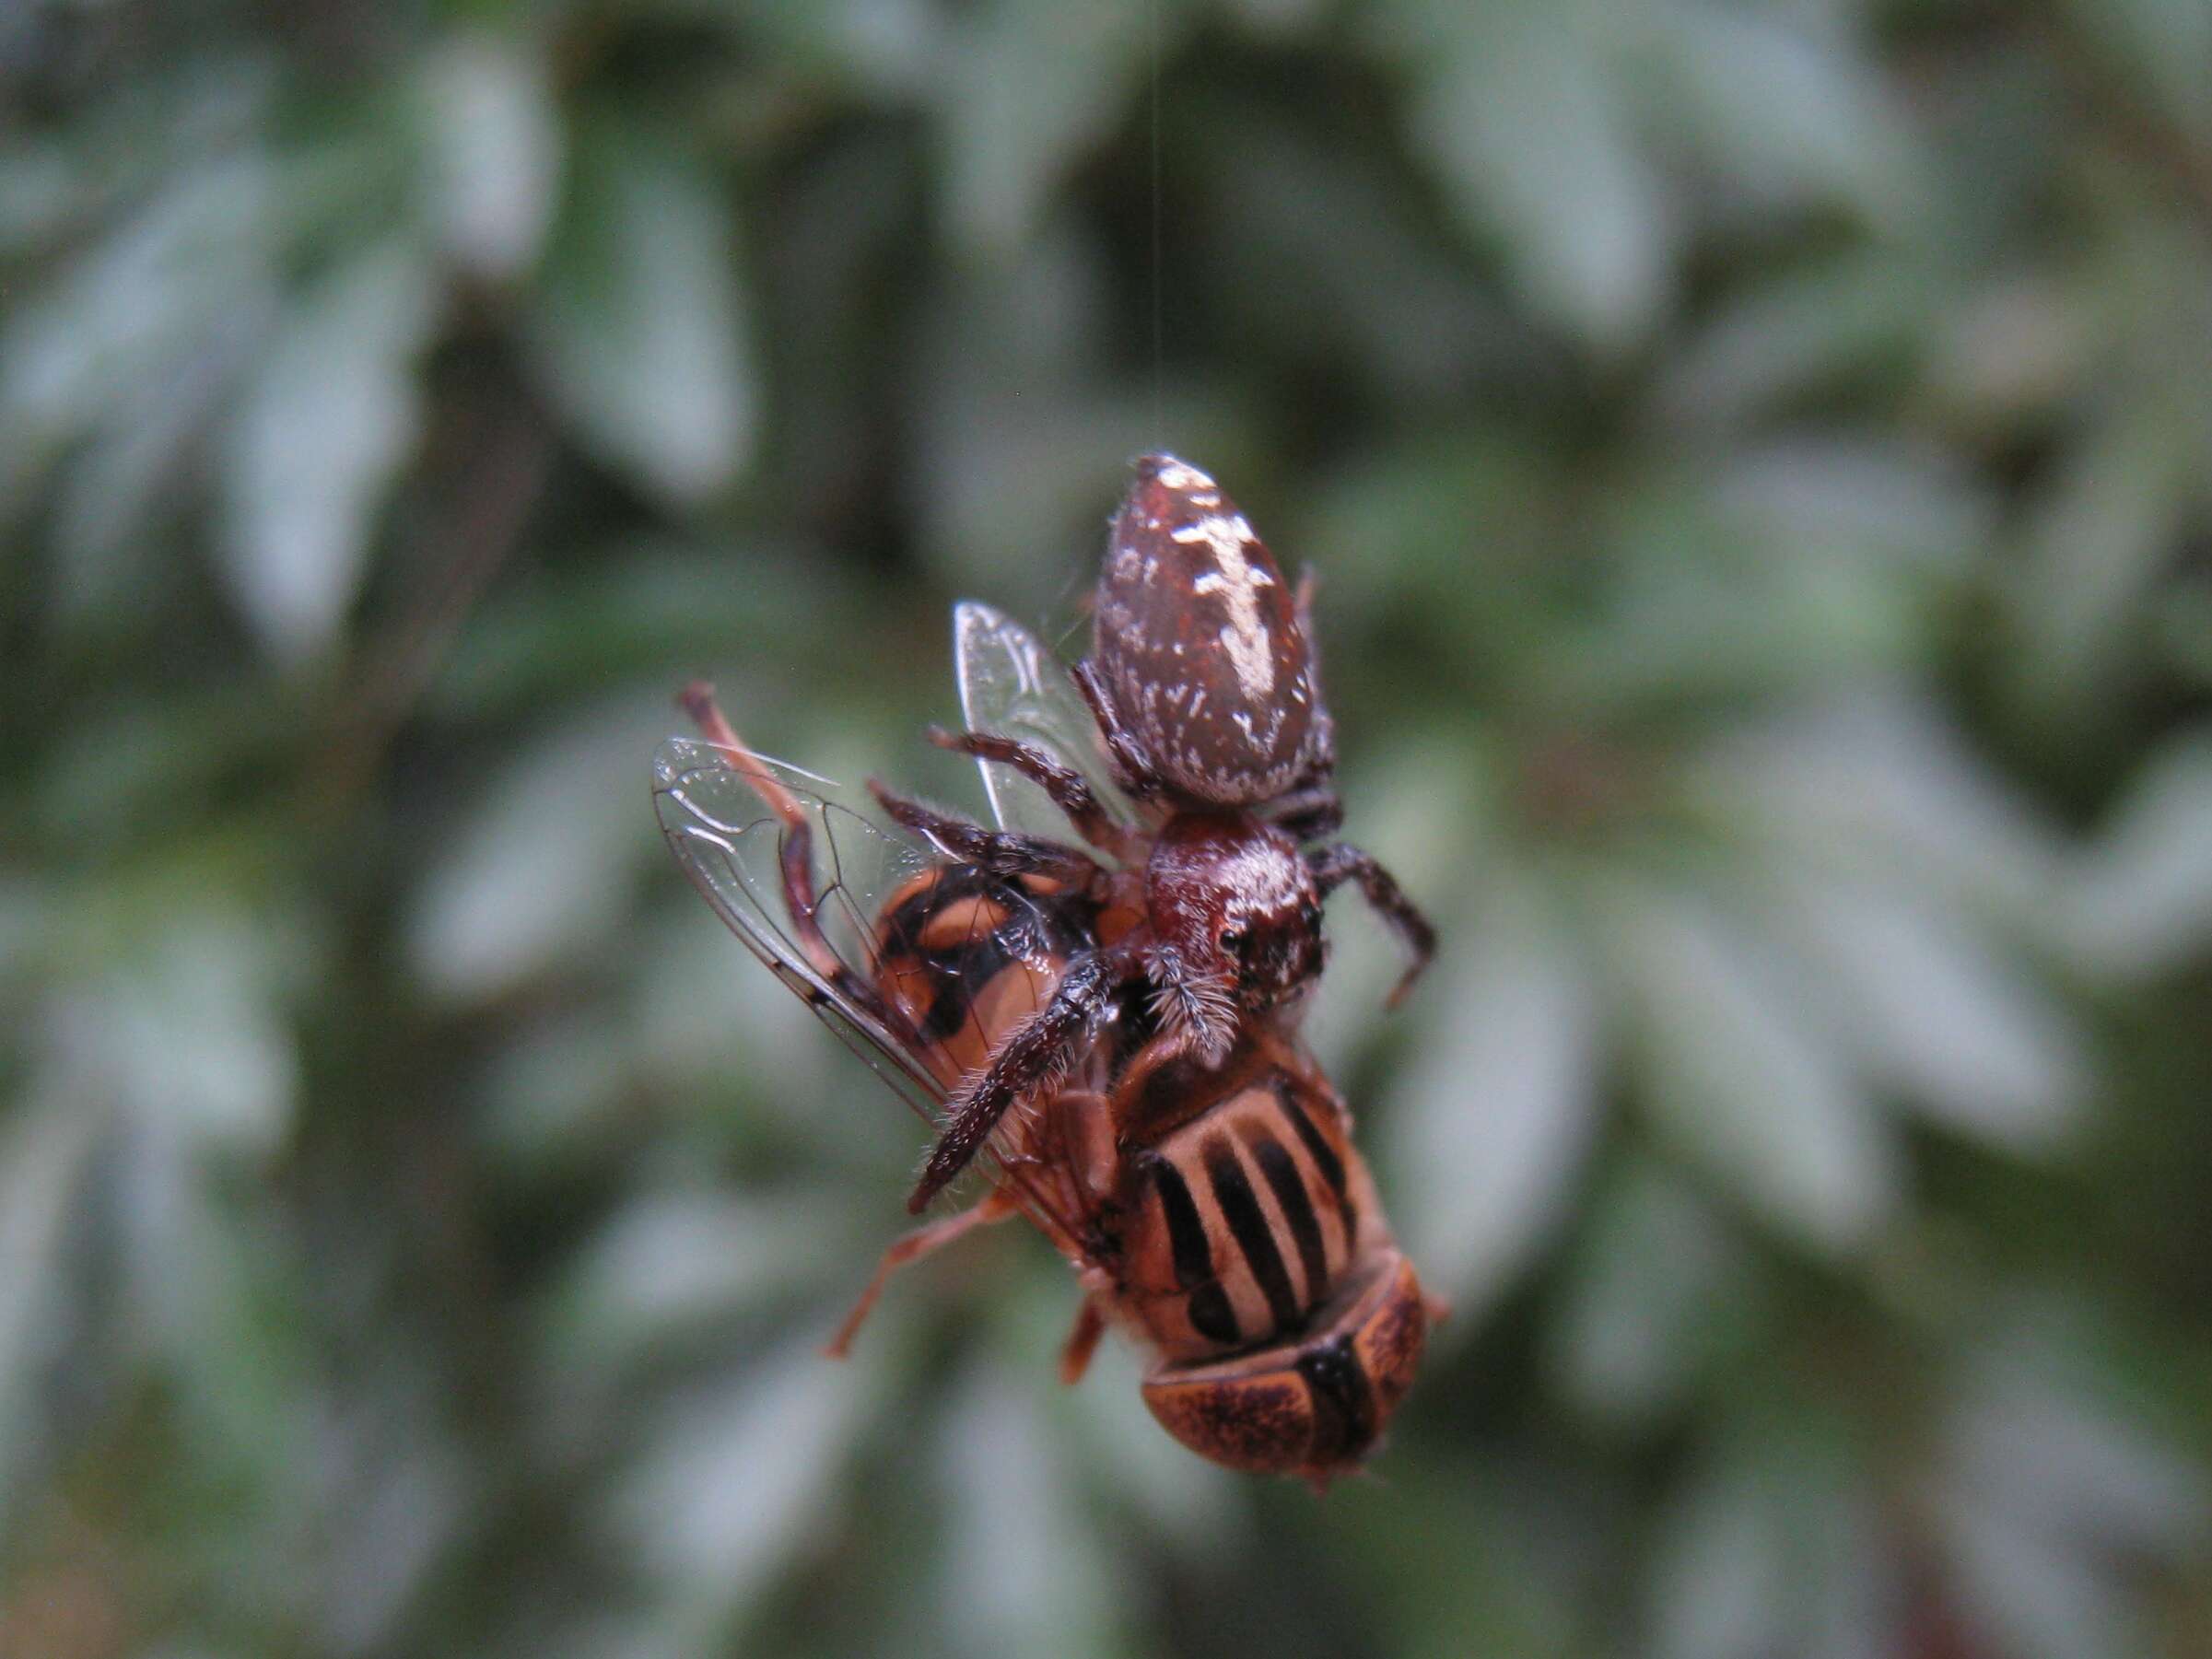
<point x="1231" y="938"/>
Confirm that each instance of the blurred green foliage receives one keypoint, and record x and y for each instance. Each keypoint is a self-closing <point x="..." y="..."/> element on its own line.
<point x="1759" y="454"/>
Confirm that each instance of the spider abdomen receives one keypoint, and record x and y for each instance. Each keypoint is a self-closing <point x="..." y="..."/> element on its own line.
<point x="1198" y="645"/>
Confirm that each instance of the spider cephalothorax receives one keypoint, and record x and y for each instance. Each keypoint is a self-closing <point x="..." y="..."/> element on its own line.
<point x="1237" y="915"/>
<point x="1203" y="682"/>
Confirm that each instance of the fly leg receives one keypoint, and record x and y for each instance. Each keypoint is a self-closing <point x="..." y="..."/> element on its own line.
<point x="912" y="1247"/>
<point x="794" y="854"/>
<point x="1083" y="1342"/>
<point x="1337" y="863"/>
<point x="1086" y="1149"/>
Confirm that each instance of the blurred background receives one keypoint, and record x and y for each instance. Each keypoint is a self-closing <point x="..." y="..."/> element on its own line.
<point x="1758" y="458"/>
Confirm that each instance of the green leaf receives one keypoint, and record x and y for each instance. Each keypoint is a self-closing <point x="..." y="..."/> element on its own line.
<point x="1774" y="1546"/>
<point x="2099" y="532"/>
<point x="331" y="415"/>
<point x="2011" y="350"/>
<point x="2026" y="1592"/>
<point x="1487" y="1128"/>
<point x="47" y="1152"/>
<point x="1877" y="511"/>
<point x="1019" y="451"/>
<point x="2028" y="1436"/>
<point x="669" y="1263"/>
<point x="887" y="49"/>
<point x="1519" y="112"/>
<point x="1315" y="252"/>
<point x="1741" y="1073"/>
<point x="1281" y="19"/>
<point x="1026" y="1570"/>
<point x="1647" y="1307"/>
<point x="1722" y="1574"/>
<point x="128" y="303"/>
<point x="197" y="1034"/>
<point x="1881" y="782"/>
<point x="639" y="324"/>
<point x="1793" y="334"/>
<point x="1782" y="112"/>
<point x="535" y="875"/>
<point x="731" y="1482"/>
<point x="1120" y="1450"/>
<point x="1934" y="1008"/>
<point x="491" y="137"/>
<point x="1026" y="89"/>
<point x="119" y="489"/>
<point x="186" y="270"/>
<point x="2140" y="901"/>
<point x="703" y="1025"/>
<point x="2161" y="51"/>
<point x="207" y="1284"/>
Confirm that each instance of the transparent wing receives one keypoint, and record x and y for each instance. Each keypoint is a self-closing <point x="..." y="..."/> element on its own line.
<point x="1010" y="683"/>
<point x="732" y="847"/>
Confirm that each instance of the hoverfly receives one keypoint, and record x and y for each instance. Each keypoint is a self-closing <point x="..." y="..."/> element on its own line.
<point x="1109" y="1031"/>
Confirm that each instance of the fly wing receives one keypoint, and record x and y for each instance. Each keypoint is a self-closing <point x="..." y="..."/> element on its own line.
<point x="1010" y="685"/>
<point x="732" y="847"/>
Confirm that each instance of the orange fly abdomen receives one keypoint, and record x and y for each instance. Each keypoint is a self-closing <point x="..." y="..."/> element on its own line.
<point x="965" y="957"/>
<point x="1315" y="1406"/>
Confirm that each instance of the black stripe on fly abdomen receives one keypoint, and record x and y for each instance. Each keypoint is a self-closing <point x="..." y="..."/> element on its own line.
<point x="900" y="932"/>
<point x="1325" y="1159"/>
<point x="958" y="979"/>
<point x="1281" y="1171"/>
<point x="1249" y="1223"/>
<point x="1008" y="927"/>
<point x="1211" y="1314"/>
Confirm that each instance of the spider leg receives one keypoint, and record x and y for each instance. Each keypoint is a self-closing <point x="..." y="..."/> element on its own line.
<point x="1322" y="743"/>
<point x="1026" y="1061"/>
<point x="1338" y="862"/>
<point x="1130" y="770"/>
<point x="1308" y="812"/>
<point x="1000" y="852"/>
<point x="911" y="1248"/>
<point x="1067" y="788"/>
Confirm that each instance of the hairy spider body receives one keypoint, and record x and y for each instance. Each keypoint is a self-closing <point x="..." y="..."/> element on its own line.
<point x="1205" y="687"/>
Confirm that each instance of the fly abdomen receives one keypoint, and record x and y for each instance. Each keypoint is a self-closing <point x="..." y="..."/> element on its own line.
<point x="1286" y="1181"/>
<point x="1241" y="1221"/>
<point x="963" y="956"/>
<point x="1316" y="1404"/>
<point x="1259" y="1256"/>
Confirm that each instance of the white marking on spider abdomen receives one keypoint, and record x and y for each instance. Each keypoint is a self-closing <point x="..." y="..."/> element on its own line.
<point x="1238" y="580"/>
<point x="1188" y="481"/>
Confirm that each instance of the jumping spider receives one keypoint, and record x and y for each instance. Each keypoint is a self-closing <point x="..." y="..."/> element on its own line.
<point x="1204" y="685"/>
